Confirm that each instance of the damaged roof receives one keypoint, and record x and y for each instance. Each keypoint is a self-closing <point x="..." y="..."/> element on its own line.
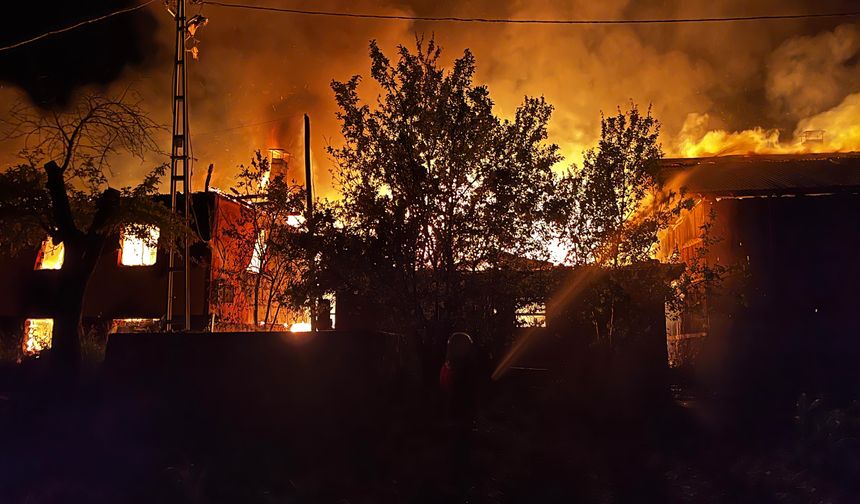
<point x="765" y="175"/>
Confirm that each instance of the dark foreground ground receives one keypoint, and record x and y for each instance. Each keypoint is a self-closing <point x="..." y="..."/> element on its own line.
<point x="91" y="443"/>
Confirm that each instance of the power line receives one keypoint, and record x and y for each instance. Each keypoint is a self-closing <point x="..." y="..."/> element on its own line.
<point x="453" y="19"/>
<point x="456" y="19"/>
<point x="72" y="27"/>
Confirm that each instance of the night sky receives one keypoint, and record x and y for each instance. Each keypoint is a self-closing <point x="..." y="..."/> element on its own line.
<point x="258" y="73"/>
<point x="51" y="69"/>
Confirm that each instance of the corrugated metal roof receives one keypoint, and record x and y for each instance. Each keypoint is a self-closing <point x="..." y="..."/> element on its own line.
<point x="774" y="175"/>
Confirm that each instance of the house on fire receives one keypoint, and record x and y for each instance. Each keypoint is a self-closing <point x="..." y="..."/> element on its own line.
<point x="786" y="228"/>
<point x="128" y="287"/>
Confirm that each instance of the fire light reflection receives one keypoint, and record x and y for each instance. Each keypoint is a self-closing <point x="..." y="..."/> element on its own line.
<point x="300" y="327"/>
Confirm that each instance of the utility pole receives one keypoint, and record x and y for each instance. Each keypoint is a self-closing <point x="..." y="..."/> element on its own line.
<point x="308" y="184"/>
<point x="309" y="215"/>
<point x="179" y="174"/>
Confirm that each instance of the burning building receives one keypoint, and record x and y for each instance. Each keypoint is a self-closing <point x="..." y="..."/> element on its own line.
<point x="783" y="227"/>
<point x="127" y="290"/>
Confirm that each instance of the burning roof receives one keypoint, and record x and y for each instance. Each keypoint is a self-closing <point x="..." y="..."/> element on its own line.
<point x="765" y="175"/>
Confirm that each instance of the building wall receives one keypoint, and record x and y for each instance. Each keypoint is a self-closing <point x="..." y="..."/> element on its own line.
<point x="231" y="304"/>
<point x="787" y="312"/>
<point x="683" y="241"/>
<point x="117" y="291"/>
<point x="114" y="291"/>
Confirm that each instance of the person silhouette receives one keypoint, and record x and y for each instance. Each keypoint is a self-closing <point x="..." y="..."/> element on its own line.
<point x="457" y="380"/>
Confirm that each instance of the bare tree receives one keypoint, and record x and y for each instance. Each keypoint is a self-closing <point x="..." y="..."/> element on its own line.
<point x="85" y="136"/>
<point x="71" y="200"/>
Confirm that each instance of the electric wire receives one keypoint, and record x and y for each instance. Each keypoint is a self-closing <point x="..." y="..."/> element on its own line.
<point x="451" y="19"/>
<point x="548" y="21"/>
<point x="74" y="26"/>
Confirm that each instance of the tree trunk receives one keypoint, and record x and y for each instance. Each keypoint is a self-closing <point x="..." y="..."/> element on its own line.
<point x="257" y="297"/>
<point x="82" y="252"/>
<point x="79" y="264"/>
<point x="68" y="328"/>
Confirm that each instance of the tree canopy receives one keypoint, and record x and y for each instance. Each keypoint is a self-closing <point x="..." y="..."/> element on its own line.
<point x="615" y="203"/>
<point x="434" y="180"/>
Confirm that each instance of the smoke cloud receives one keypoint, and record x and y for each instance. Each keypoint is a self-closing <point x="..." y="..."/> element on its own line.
<point x="809" y="74"/>
<point x="717" y="88"/>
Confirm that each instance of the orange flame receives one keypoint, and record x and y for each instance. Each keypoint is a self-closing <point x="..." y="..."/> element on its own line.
<point x="835" y="130"/>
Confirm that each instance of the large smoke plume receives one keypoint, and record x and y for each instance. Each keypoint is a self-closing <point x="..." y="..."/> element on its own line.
<point x="717" y="88"/>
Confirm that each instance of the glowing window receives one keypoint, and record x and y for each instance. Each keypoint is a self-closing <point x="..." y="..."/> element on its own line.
<point x="37" y="335"/>
<point x="50" y="255"/>
<point x="256" y="263"/>
<point x="277" y="154"/>
<point x="531" y="315"/>
<point x="131" y="325"/>
<point x="139" y="250"/>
